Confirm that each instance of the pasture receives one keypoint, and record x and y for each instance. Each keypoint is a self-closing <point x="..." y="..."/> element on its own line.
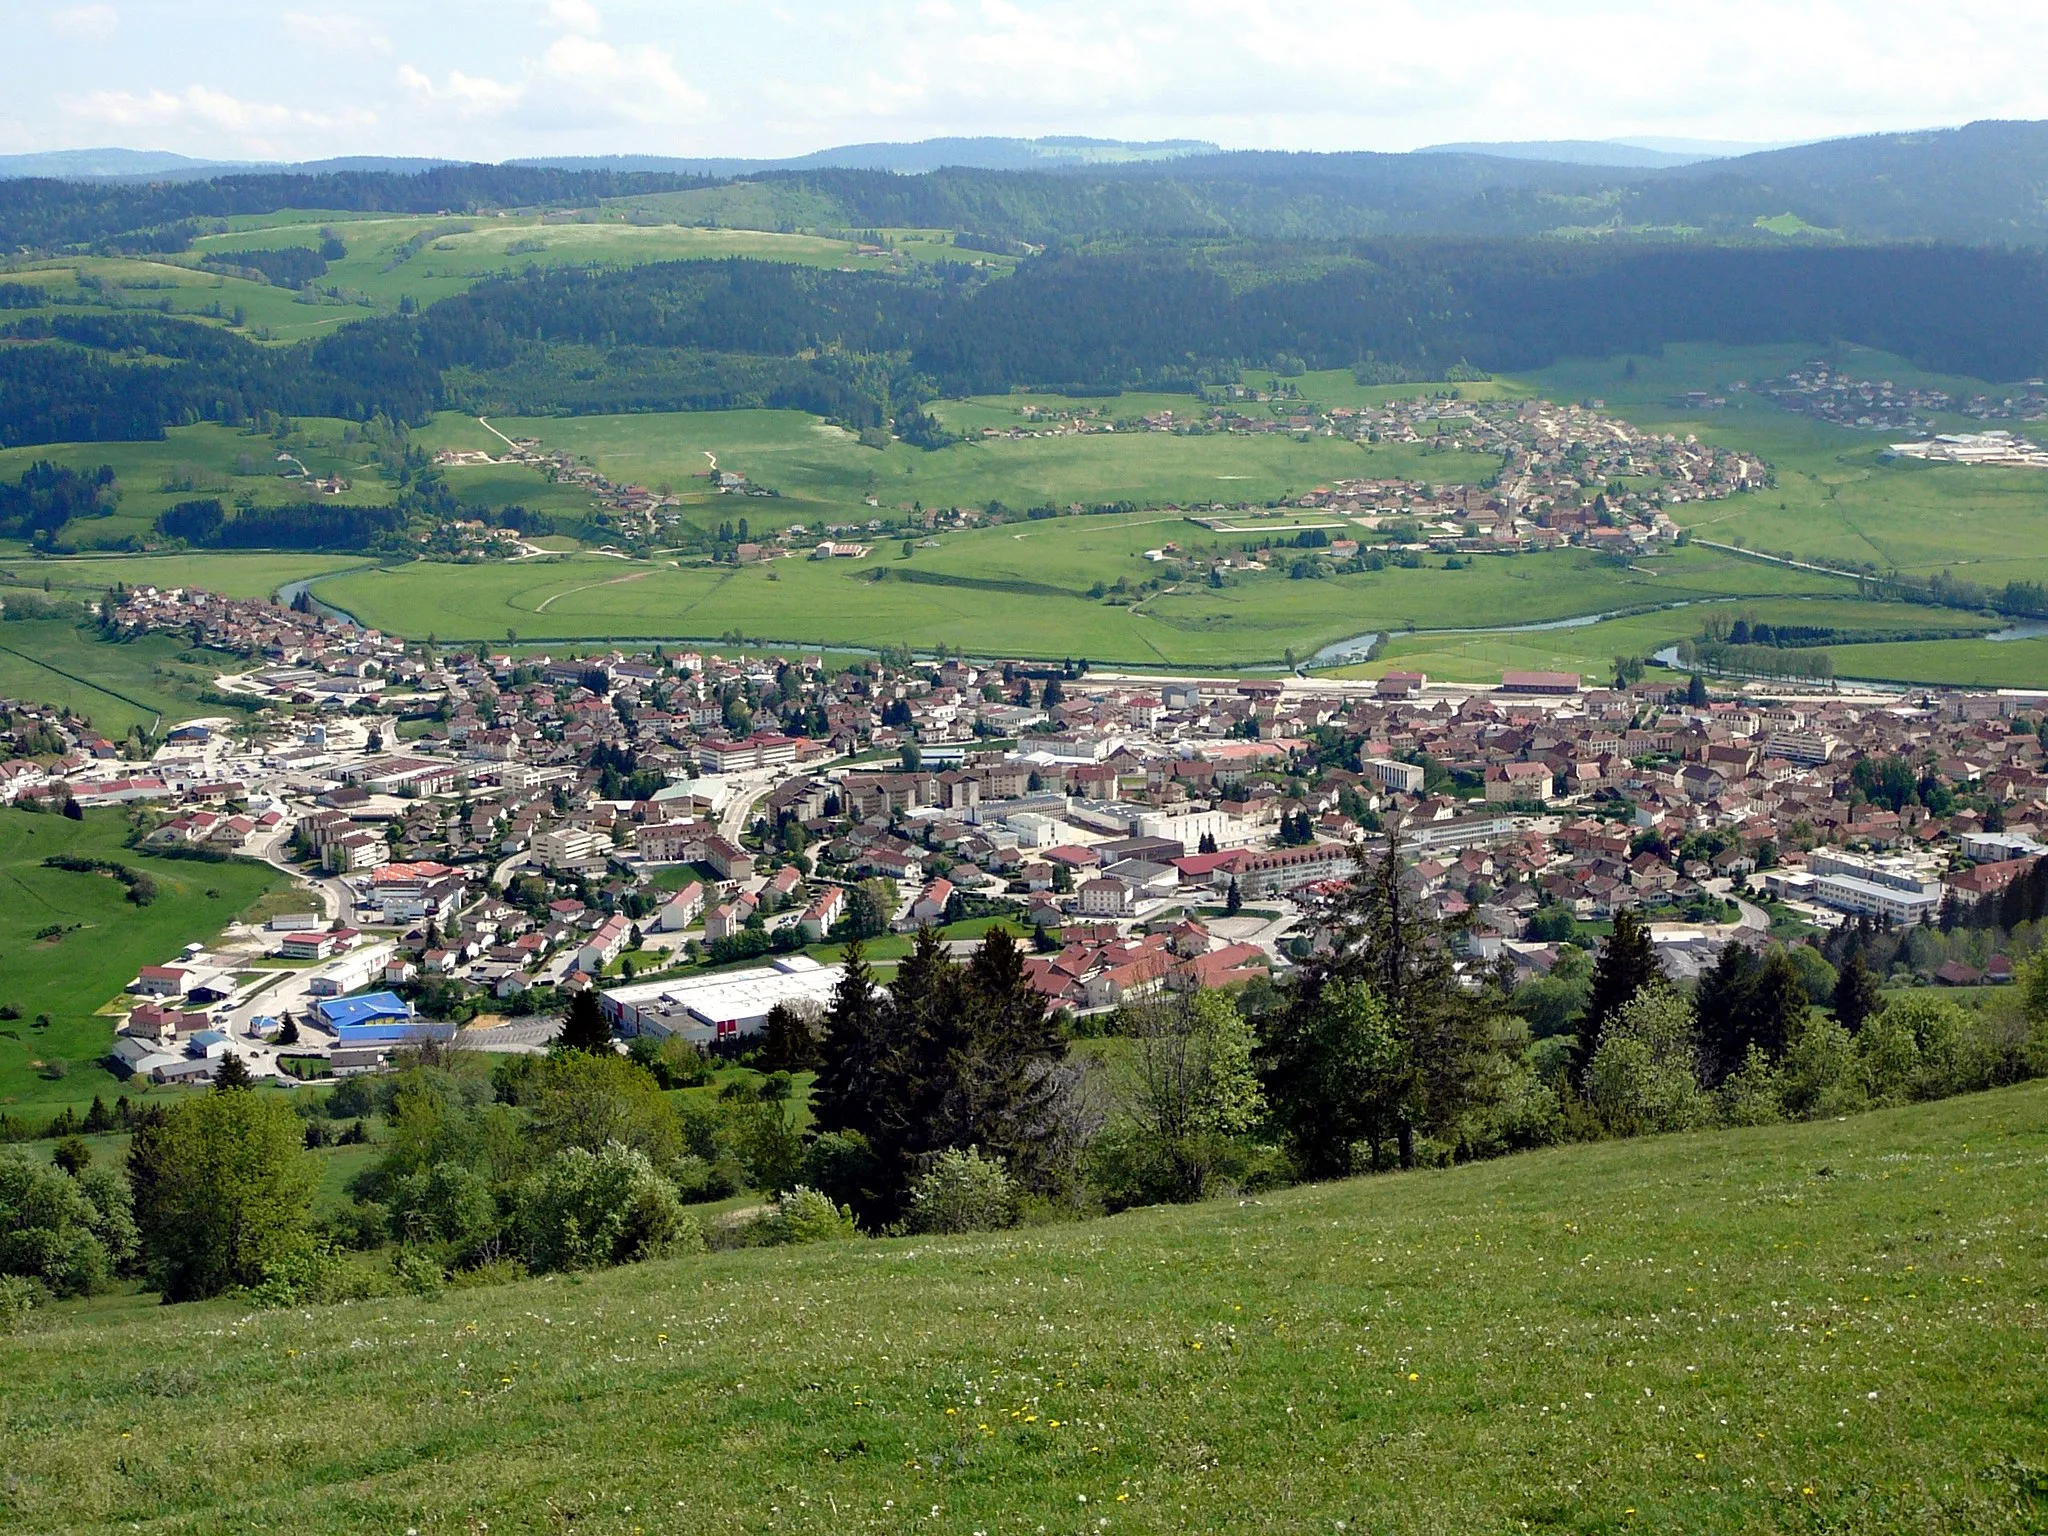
<point x="1821" y="1327"/>
<point x="206" y="460"/>
<point x="823" y="471"/>
<point x="1836" y="498"/>
<point x="114" y="684"/>
<point x="1024" y="589"/>
<point x="1590" y="649"/>
<point x="104" y="940"/>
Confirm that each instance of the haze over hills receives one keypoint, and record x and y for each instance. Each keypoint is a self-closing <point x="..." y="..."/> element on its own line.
<point x="1626" y="153"/>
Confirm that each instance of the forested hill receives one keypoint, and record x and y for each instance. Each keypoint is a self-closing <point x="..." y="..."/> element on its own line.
<point x="44" y="214"/>
<point x="862" y="347"/>
<point x="1982" y="184"/>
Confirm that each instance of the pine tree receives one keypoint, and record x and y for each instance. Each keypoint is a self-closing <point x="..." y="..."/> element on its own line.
<point x="1446" y="1039"/>
<point x="584" y="1027"/>
<point x="1627" y="964"/>
<point x="853" y="1058"/>
<point x="1856" y="993"/>
<point x="231" y="1075"/>
<point x="1233" y="899"/>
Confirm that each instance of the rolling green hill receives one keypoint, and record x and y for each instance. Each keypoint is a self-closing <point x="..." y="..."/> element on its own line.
<point x="1833" y="1327"/>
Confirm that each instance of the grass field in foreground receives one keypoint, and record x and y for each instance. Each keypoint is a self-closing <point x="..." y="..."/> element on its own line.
<point x="107" y="940"/>
<point x="1022" y="589"/>
<point x="1834" y="1327"/>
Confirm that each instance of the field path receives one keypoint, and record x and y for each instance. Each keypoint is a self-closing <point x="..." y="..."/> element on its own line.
<point x="590" y="585"/>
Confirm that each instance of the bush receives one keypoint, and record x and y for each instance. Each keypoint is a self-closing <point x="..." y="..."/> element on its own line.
<point x="804" y="1216"/>
<point x="309" y="1275"/>
<point x="68" y="1234"/>
<point x="1922" y="1047"/>
<point x="589" y="1210"/>
<point x="1644" y="1078"/>
<point x="1753" y="1094"/>
<point x="417" y="1273"/>
<point x="19" y="1296"/>
<point x="962" y="1192"/>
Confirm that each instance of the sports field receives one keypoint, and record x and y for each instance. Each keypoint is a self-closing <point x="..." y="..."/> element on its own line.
<point x="1831" y="1327"/>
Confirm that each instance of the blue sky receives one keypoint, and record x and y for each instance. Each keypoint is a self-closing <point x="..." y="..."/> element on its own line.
<point x="300" y="79"/>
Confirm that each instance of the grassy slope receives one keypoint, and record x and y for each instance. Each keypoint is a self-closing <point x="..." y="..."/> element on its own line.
<point x="136" y="682"/>
<point x="235" y="575"/>
<point x="70" y="978"/>
<point x="1591" y="650"/>
<point x="202" y="457"/>
<point x="1830" y="1327"/>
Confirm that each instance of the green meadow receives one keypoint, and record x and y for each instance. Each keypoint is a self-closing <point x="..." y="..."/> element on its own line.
<point x="1024" y="589"/>
<point x="1837" y="500"/>
<point x="233" y="573"/>
<point x="1831" y="1327"/>
<point x="105" y="939"/>
<point x="820" y="470"/>
<point x="207" y="460"/>
<point x="1590" y="650"/>
<point x="426" y="258"/>
<point x="116" y="685"/>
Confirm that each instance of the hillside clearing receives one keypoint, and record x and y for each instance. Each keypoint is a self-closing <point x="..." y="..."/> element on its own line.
<point x="1825" y="1327"/>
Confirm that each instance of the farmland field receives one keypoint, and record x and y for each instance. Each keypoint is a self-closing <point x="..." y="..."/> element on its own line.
<point x="1825" y="1327"/>
<point x="1023" y="589"/>
<point x="1591" y="649"/>
<point x="203" y="460"/>
<point x="451" y="255"/>
<point x="233" y="573"/>
<point x="823" y="471"/>
<point x="106" y="939"/>
<point x="114" y="684"/>
<point x="1836" y="500"/>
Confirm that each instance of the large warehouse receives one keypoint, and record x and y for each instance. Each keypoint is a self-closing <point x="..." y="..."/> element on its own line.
<point x="705" y="1009"/>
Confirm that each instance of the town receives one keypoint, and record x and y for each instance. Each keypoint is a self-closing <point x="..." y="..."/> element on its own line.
<point x="481" y="836"/>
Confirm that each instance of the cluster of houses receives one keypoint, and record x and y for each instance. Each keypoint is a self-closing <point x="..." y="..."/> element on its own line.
<point x="1819" y="390"/>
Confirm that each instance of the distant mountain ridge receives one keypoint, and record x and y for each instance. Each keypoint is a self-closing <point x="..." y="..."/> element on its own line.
<point x="1985" y="184"/>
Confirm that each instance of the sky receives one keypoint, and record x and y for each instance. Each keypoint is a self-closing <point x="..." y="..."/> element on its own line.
<point x="495" y="79"/>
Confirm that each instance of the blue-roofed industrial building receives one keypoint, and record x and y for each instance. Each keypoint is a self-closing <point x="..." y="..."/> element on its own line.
<point x="377" y="1018"/>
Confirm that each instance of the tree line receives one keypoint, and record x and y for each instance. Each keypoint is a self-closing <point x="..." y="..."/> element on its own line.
<point x="871" y="346"/>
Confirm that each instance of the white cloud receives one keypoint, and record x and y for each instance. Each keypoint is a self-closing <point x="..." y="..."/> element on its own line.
<point x="204" y="116"/>
<point x="87" y="23"/>
<point x="575" y="16"/>
<point x="334" y="32"/>
<point x="580" y="82"/>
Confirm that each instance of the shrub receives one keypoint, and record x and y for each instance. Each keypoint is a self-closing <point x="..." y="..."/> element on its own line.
<point x="417" y="1273"/>
<point x="1819" y="1075"/>
<point x="1645" y="1076"/>
<point x="19" y="1296"/>
<point x="1921" y="1047"/>
<point x="588" y="1210"/>
<point x="962" y="1192"/>
<point x="448" y="1203"/>
<point x="804" y="1216"/>
<point x="68" y="1234"/>
<point x="1754" y="1093"/>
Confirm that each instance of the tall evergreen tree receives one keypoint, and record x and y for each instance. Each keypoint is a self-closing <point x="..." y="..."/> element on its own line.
<point x="1627" y="964"/>
<point x="1447" y="1036"/>
<point x="584" y="1026"/>
<point x="854" y="1062"/>
<point x="1856" y="993"/>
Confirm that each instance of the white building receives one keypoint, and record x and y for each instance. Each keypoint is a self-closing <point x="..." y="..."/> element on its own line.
<point x="707" y="1009"/>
